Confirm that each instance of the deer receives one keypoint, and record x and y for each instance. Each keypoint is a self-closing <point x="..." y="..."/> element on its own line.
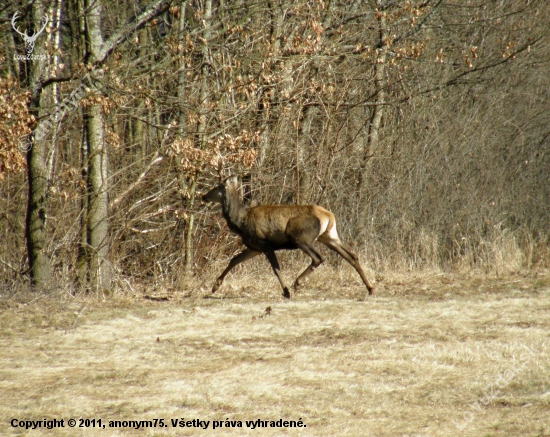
<point x="270" y="228"/>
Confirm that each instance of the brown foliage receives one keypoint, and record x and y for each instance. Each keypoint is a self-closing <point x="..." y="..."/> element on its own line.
<point x="15" y="125"/>
<point x="422" y="125"/>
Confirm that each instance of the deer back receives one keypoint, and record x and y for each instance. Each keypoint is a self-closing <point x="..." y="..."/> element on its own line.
<point x="281" y="225"/>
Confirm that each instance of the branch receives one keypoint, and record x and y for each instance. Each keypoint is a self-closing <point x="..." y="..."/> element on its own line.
<point x="154" y="10"/>
<point x="422" y="22"/>
<point x="52" y="79"/>
<point x="116" y="202"/>
<point x="457" y="79"/>
<point x="10" y="266"/>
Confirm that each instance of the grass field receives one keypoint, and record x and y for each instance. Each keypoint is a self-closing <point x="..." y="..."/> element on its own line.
<point x="427" y="355"/>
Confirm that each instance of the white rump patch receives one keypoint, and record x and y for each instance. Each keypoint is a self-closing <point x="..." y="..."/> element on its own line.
<point x="331" y="235"/>
<point x="324" y="225"/>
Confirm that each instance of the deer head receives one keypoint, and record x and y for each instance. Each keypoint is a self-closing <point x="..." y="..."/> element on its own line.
<point x="227" y="185"/>
<point x="219" y="192"/>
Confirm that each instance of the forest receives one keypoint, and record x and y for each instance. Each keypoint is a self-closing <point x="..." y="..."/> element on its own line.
<point x="422" y="125"/>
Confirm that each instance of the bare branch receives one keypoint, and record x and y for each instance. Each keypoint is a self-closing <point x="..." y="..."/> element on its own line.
<point x="154" y="10"/>
<point x="116" y="202"/>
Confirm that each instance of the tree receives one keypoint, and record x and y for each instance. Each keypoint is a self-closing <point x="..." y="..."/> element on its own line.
<point x="39" y="178"/>
<point x="383" y="111"/>
<point x="97" y="173"/>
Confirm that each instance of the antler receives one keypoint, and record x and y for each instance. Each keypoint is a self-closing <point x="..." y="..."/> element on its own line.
<point x="219" y="168"/>
<point x="35" y="34"/>
<point x="15" y="28"/>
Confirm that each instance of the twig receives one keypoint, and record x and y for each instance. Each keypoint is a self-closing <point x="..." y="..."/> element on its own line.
<point x="116" y="202"/>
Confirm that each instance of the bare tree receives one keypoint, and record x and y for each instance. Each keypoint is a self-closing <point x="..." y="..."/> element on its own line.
<point x="383" y="111"/>
<point x="37" y="242"/>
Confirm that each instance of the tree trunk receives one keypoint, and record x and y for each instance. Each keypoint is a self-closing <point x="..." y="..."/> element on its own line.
<point x="39" y="262"/>
<point x="371" y="147"/>
<point x="201" y="133"/>
<point x="82" y="257"/>
<point x="372" y="142"/>
<point x="99" y="273"/>
<point x="182" y="70"/>
<point x="303" y="145"/>
<point x="98" y="201"/>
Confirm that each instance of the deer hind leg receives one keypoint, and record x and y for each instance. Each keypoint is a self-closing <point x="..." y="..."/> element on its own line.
<point x="277" y="270"/>
<point x="303" y="233"/>
<point x="236" y="260"/>
<point x="346" y="253"/>
<point x="316" y="261"/>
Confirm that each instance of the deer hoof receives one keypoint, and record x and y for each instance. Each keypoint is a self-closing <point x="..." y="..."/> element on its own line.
<point x="216" y="286"/>
<point x="286" y="293"/>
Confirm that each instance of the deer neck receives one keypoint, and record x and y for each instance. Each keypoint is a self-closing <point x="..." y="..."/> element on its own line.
<point x="234" y="211"/>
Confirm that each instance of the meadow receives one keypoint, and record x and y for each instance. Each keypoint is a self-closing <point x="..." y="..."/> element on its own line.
<point x="433" y="354"/>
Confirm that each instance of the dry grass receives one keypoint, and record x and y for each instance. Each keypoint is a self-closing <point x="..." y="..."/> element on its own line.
<point x="415" y="360"/>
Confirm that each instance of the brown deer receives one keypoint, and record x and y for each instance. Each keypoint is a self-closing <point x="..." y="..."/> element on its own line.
<point x="268" y="228"/>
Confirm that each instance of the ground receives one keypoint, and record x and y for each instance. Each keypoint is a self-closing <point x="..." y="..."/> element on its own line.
<point x="433" y="355"/>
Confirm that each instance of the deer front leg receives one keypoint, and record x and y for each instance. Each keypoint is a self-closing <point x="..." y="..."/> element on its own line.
<point x="236" y="260"/>
<point x="277" y="270"/>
